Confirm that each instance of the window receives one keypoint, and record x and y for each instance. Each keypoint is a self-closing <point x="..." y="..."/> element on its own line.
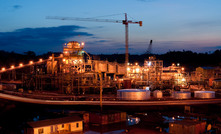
<point x="77" y="125"/>
<point x="62" y="125"/>
<point x="40" y="131"/>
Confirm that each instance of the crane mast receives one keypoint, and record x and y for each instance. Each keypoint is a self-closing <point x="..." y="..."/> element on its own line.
<point x="125" y="22"/>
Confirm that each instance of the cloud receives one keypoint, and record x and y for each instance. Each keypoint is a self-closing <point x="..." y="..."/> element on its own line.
<point x="39" y="40"/>
<point x="17" y="7"/>
<point x="207" y="23"/>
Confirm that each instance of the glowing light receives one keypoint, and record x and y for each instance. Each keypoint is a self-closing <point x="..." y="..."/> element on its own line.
<point x="3" y="69"/>
<point x="12" y="66"/>
<point x="183" y="79"/>
<point x="30" y="62"/>
<point x="66" y="52"/>
<point x="136" y="64"/>
<point x="173" y="64"/>
<point x="40" y="60"/>
<point x="50" y="57"/>
<point x="173" y="118"/>
<point x="182" y="68"/>
<point x="178" y="64"/>
<point x="20" y="64"/>
<point x="82" y="43"/>
<point x="128" y="69"/>
<point x="128" y="63"/>
<point x="149" y="63"/>
<point x="64" y="60"/>
<point x="137" y="70"/>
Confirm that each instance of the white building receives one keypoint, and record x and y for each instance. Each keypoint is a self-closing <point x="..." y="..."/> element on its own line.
<point x="55" y="126"/>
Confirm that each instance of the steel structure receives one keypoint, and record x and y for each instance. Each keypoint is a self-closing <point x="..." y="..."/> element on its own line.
<point x="125" y="22"/>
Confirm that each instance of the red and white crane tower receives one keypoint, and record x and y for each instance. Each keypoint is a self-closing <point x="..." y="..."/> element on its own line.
<point x="125" y="22"/>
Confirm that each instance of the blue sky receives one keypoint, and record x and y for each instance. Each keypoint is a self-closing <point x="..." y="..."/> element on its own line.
<point x="172" y="25"/>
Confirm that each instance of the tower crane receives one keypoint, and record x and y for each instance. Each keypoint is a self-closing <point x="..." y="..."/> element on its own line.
<point x="149" y="50"/>
<point x="125" y="22"/>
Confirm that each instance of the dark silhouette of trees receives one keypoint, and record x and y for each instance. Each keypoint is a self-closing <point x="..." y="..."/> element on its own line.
<point x="190" y="60"/>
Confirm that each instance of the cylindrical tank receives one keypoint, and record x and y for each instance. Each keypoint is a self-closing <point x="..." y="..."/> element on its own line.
<point x="133" y="94"/>
<point x="157" y="94"/>
<point x="182" y="95"/>
<point x="204" y="94"/>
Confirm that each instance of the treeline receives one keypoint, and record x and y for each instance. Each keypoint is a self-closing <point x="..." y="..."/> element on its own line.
<point x="190" y="60"/>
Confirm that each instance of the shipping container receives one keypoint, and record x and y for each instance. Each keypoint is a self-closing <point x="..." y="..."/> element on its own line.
<point x="187" y="127"/>
<point x="107" y="117"/>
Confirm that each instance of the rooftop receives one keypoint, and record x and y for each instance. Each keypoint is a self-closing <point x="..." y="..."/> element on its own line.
<point x="55" y="121"/>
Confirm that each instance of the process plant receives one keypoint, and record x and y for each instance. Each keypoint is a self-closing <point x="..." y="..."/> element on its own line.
<point x="75" y="72"/>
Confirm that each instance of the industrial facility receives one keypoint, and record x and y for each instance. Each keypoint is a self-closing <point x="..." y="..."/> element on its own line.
<point x="75" y="72"/>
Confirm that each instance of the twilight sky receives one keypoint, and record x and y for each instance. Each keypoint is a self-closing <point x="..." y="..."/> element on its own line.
<point x="172" y="25"/>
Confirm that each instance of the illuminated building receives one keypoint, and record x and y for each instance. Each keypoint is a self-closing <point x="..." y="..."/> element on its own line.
<point x="55" y="126"/>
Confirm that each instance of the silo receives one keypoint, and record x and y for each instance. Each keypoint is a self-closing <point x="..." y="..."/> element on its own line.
<point x="157" y="94"/>
<point x="133" y="94"/>
<point x="182" y="95"/>
<point x="204" y="94"/>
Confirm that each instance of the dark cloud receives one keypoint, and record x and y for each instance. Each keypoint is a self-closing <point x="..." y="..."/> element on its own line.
<point x="39" y="39"/>
<point x="17" y="6"/>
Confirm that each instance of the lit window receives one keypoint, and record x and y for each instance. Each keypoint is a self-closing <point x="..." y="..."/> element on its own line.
<point x="40" y="131"/>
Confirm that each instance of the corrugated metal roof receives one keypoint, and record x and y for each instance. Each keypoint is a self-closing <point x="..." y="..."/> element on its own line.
<point x="50" y="122"/>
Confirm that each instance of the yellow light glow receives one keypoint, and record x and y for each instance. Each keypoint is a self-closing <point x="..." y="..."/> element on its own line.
<point x="3" y="69"/>
<point x="20" y="64"/>
<point x="50" y="57"/>
<point x="136" y="64"/>
<point x="30" y="62"/>
<point x="128" y="69"/>
<point x="12" y="66"/>
<point x="82" y="43"/>
<point x="66" y="52"/>
<point x="182" y="68"/>
<point x="137" y="70"/>
<point x="40" y="60"/>
<point x="173" y="64"/>
<point x="64" y="60"/>
<point x="128" y="63"/>
<point x="183" y="79"/>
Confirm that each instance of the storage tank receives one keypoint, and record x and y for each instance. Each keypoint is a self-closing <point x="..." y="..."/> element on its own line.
<point x="157" y="94"/>
<point x="182" y="95"/>
<point x="204" y="94"/>
<point x="133" y="94"/>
